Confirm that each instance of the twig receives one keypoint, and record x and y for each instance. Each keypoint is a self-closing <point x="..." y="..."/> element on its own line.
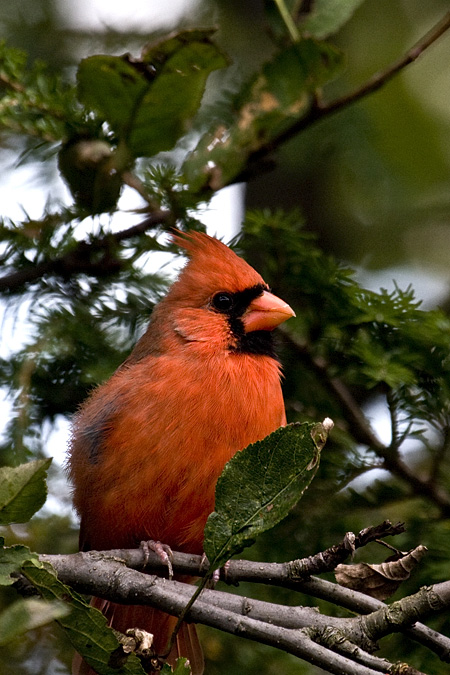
<point x="12" y="84"/>
<point x="440" y="456"/>
<point x="320" y="109"/>
<point x="358" y="422"/>
<point x="382" y="77"/>
<point x="327" y="560"/>
<point x="129" y="178"/>
<point x="362" y="431"/>
<point x="40" y="106"/>
<point x="81" y="257"/>
<point x="16" y="127"/>
<point x="395" y="432"/>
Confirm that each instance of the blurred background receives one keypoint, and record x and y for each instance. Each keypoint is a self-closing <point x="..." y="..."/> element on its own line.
<point x="372" y="182"/>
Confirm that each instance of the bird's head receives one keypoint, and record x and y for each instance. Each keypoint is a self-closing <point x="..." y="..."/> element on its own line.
<point x="220" y="297"/>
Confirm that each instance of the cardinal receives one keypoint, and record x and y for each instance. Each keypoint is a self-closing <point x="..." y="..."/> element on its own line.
<point x="150" y="443"/>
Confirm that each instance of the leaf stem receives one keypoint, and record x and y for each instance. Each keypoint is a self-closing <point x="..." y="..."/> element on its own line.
<point x="203" y="582"/>
<point x="288" y="20"/>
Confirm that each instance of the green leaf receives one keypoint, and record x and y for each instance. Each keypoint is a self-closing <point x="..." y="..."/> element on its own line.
<point x="259" y="486"/>
<point x="85" y="626"/>
<point x="87" y="166"/>
<point x="23" y="491"/>
<point x="149" y="103"/>
<point x="11" y="560"/>
<point x="327" y="16"/>
<point x="181" y="667"/>
<point x="277" y="98"/>
<point x="25" y="615"/>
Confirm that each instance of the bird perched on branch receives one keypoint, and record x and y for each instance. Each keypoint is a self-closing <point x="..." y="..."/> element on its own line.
<point x="149" y="444"/>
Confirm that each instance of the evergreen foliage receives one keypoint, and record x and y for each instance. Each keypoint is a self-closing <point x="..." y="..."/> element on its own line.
<point x="87" y="288"/>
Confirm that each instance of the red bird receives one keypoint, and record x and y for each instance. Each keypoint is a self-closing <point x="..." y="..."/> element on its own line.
<point x="149" y="444"/>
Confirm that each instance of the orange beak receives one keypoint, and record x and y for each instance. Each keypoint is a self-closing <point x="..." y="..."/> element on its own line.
<point x="266" y="312"/>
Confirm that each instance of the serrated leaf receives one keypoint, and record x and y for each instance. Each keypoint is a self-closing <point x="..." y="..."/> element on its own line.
<point x="327" y="16"/>
<point x="149" y="103"/>
<point x="270" y="103"/>
<point x="259" y="486"/>
<point x="85" y="626"/>
<point x="27" y="614"/>
<point x="23" y="491"/>
<point x="11" y="560"/>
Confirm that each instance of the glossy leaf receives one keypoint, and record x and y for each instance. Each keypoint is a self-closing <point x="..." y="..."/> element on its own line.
<point x="85" y="626"/>
<point x="273" y="101"/>
<point x="149" y="103"/>
<point x="259" y="486"/>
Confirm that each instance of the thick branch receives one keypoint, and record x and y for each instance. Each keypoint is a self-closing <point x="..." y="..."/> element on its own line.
<point x="245" y="570"/>
<point x="107" y="577"/>
<point x="364" y="604"/>
<point x="405" y="612"/>
<point x="88" y="573"/>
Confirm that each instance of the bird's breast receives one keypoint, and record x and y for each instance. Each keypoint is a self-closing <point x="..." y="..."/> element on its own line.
<point x="175" y="424"/>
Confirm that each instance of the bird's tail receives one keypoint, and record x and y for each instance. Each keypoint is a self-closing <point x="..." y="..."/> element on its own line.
<point x="160" y="624"/>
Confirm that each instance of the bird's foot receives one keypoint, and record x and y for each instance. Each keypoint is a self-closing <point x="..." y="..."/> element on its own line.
<point x="221" y="571"/>
<point x="163" y="551"/>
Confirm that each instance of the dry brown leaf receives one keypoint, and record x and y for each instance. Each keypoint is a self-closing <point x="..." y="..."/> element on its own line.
<point x="380" y="581"/>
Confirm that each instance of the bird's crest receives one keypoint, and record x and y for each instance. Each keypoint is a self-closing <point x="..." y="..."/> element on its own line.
<point x="212" y="266"/>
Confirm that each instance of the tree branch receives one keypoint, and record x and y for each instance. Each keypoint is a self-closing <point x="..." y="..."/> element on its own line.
<point x="80" y="259"/>
<point x="88" y="573"/>
<point x="384" y="76"/>
<point x="320" y="109"/>
<point x="405" y="612"/>
<point x="296" y="630"/>
<point x="361" y="430"/>
<point x="84" y="257"/>
<point x="327" y="560"/>
<point x="364" y="604"/>
<point x="279" y="574"/>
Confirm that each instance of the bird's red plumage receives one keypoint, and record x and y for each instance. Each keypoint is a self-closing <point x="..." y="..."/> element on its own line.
<point x="150" y="443"/>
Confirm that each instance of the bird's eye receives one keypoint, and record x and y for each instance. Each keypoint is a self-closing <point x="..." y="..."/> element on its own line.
<point x="223" y="301"/>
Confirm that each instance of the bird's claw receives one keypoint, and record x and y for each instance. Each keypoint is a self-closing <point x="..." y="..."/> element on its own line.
<point x="204" y="563"/>
<point x="163" y="551"/>
<point x="225" y="569"/>
<point x="220" y="572"/>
